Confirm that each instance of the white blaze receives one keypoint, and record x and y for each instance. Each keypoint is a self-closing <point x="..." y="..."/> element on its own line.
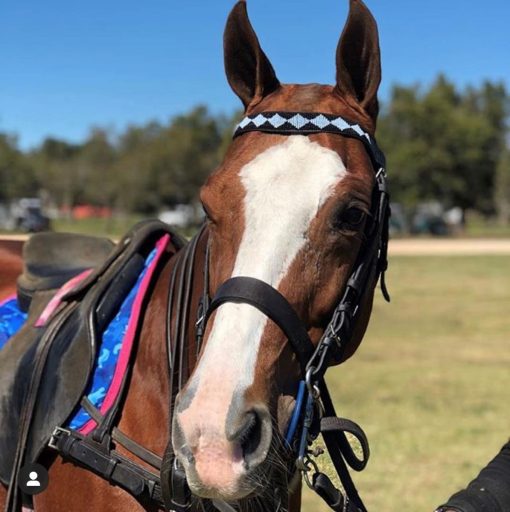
<point x="285" y="187"/>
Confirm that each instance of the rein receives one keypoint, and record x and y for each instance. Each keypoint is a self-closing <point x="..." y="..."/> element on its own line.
<point x="315" y="413"/>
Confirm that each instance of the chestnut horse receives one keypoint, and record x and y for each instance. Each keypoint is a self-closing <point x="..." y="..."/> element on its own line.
<point x="290" y="211"/>
<point x="11" y="266"/>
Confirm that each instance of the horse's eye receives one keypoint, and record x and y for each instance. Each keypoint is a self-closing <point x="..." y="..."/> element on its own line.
<point x="206" y="212"/>
<point x="351" y="218"/>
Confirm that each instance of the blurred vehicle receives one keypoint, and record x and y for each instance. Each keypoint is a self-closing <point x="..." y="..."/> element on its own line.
<point x="27" y="216"/>
<point x="455" y="219"/>
<point x="429" y="219"/>
<point x="399" y="224"/>
<point x="182" y="216"/>
<point x="5" y="218"/>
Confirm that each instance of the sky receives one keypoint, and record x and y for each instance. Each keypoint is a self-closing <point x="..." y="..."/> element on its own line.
<point x="67" y="66"/>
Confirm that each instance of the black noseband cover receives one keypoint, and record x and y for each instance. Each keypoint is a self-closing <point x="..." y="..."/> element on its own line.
<point x="268" y="300"/>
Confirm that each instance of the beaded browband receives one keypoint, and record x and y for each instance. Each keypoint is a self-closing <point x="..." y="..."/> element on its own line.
<point x="307" y="123"/>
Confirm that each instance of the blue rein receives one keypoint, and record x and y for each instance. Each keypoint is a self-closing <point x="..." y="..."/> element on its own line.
<point x="296" y="415"/>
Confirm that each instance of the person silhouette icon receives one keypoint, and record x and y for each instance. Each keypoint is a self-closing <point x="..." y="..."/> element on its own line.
<point x="33" y="479"/>
<point x="33" y="482"/>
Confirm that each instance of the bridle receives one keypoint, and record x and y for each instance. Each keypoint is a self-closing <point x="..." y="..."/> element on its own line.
<point x="314" y="412"/>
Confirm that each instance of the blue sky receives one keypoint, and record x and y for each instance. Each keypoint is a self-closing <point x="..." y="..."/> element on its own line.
<point x="66" y="66"/>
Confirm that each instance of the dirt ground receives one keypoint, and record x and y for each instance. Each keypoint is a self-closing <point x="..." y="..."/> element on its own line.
<point x="409" y="246"/>
<point x="449" y="247"/>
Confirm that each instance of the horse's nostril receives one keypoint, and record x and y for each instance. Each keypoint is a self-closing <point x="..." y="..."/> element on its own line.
<point x="249" y="435"/>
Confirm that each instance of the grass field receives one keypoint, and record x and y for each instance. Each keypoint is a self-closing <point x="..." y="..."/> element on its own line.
<point x="431" y="381"/>
<point x="114" y="227"/>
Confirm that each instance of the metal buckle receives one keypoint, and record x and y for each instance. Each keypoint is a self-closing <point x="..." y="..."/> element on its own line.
<point x="312" y="387"/>
<point x="381" y="172"/>
<point x="309" y="465"/>
<point x="57" y="433"/>
<point x="200" y="321"/>
<point x="334" y="336"/>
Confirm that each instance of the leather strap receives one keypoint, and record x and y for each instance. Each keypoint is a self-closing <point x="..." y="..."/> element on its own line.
<point x="268" y="300"/>
<point x="174" y="486"/>
<point x="119" y="437"/>
<point x="339" y="426"/>
<point x="328" y="492"/>
<point x="109" y="465"/>
<point x="176" y="493"/>
<point x="340" y="450"/>
<point x="13" y="503"/>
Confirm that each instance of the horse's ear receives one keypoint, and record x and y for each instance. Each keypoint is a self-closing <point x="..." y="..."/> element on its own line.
<point x="249" y="72"/>
<point x="358" y="59"/>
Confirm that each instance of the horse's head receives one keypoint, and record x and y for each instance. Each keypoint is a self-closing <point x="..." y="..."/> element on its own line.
<point x="293" y="212"/>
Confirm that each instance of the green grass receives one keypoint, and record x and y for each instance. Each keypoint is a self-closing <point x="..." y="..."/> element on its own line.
<point x="430" y="383"/>
<point x="490" y="230"/>
<point x="114" y="227"/>
<point x="478" y="226"/>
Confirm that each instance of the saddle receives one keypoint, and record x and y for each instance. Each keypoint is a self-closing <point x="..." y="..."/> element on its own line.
<point x="45" y="370"/>
<point x="51" y="259"/>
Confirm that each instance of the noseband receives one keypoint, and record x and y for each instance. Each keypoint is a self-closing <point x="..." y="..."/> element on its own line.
<point x="314" y="413"/>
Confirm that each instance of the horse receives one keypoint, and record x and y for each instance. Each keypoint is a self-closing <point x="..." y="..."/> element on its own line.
<point x="294" y="212"/>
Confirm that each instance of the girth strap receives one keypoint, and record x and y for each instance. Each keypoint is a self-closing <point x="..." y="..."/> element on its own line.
<point x="110" y="465"/>
<point x="268" y="300"/>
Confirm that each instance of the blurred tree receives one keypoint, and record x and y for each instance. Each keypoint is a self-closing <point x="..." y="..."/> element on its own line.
<point x="95" y="176"/>
<point x="164" y="166"/>
<point x="132" y="168"/>
<point x="492" y="103"/>
<point x="55" y="166"/>
<point x="443" y="144"/>
<point x="502" y="189"/>
<point x="228" y="125"/>
<point x="17" y="177"/>
<point x="185" y="155"/>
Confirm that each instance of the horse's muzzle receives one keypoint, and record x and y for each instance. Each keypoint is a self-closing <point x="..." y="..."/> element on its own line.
<point x="221" y="452"/>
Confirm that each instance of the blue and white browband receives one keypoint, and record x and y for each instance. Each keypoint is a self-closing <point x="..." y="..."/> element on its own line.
<point x="307" y="123"/>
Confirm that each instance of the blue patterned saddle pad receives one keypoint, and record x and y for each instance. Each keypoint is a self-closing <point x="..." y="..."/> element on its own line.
<point x="12" y="319"/>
